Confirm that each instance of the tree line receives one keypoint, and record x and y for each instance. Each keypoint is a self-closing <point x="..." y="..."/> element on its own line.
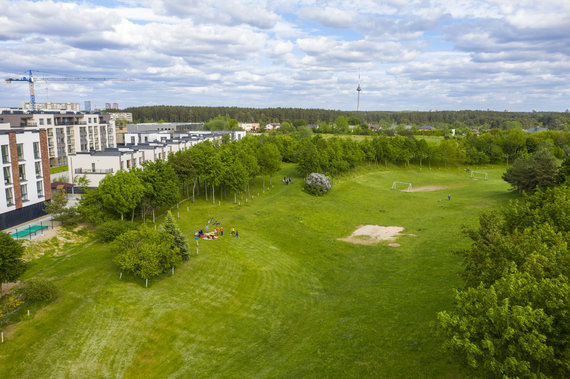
<point x="470" y="118"/>
<point x="208" y="168"/>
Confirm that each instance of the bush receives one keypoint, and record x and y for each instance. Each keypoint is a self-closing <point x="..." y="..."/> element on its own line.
<point x="317" y="184"/>
<point x="39" y="290"/>
<point x="110" y="230"/>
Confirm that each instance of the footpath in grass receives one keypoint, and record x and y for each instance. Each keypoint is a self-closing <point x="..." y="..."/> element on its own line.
<point x="286" y="299"/>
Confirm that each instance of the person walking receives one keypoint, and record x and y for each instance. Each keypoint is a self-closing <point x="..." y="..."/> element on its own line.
<point x="237" y="235"/>
<point x="233" y="231"/>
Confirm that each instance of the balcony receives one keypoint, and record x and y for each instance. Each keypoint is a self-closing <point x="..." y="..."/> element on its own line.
<point x="91" y="171"/>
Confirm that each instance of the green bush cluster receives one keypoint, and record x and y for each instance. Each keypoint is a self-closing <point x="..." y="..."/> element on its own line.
<point x="39" y="290"/>
<point x="108" y="231"/>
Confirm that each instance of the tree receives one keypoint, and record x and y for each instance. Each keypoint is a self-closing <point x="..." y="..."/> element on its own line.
<point x="179" y="241"/>
<point x="161" y="184"/>
<point x="536" y="171"/>
<point x="146" y="252"/>
<point x="11" y="263"/>
<point x="269" y="160"/>
<point x="563" y="174"/>
<point x="183" y="165"/>
<point x="513" y="317"/>
<point x="56" y="206"/>
<point x="510" y="329"/>
<point x="122" y="192"/>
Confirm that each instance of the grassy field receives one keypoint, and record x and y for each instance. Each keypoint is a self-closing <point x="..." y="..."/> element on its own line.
<point x="285" y="300"/>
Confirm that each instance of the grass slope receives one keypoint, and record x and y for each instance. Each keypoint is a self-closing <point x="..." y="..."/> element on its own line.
<point x="285" y="300"/>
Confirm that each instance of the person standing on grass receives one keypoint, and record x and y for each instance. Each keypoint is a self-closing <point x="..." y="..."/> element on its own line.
<point x="449" y="197"/>
<point x="233" y="231"/>
<point x="221" y="231"/>
<point x="237" y="235"/>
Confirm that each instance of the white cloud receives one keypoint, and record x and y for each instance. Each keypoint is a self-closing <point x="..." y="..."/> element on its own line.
<point x="331" y="17"/>
<point x="413" y="54"/>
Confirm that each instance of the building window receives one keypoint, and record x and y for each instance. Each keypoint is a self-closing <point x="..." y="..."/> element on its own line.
<point x="9" y="196"/>
<point x="93" y="167"/>
<point x="7" y="175"/>
<point x="40" y="188"/>
<point x="37" y="150"/>
<point x="5" y="154"/>
<point x="41" y="121"/>
<point x="38" y="169"/>
<point x="49" y="121"/>
<point x="22" y="169"/>
<point x="20" y="149"/>
<point x="24" y="189"/>
<point x="132" y="140"/>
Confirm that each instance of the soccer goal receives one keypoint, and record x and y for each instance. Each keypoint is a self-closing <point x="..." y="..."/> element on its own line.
<point x="401" y="186"/>
<point x="479" y="175"/>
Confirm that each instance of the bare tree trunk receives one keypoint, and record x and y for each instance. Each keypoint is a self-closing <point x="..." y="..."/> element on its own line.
<point x="133" y="215"/>
<point x="235" y="197"/>
<point x="213" y="198"/>
<point x="206" y="190"/>
<point x="153" y="219"/>
<point x="193" y="187"/>
<point x="263" y="181"/>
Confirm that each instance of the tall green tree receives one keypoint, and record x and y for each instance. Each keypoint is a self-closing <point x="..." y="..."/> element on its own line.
<point x="122" y="192"/>
<point x="269" y="160"/>
<point x="178" y="239"/>
<point x="161" y="184"/>
<point x="536" y="171"/>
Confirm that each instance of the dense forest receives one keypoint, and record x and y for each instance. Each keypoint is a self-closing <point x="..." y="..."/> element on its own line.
<point x="489" y="119"/>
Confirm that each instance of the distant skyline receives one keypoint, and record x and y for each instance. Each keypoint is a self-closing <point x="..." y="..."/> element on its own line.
<point x="412" y="55"/>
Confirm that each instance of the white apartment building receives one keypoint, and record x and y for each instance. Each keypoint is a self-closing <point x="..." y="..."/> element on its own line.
<point x="95" y="165"/>
<point x="67" y="132"/>
<point x="147" y="146"/>
<point x="25" y="184"/>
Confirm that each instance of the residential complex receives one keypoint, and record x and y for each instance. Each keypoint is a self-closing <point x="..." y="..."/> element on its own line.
<point x="68" y="132"/>
<point x="25" y="181"/>
<point x="146" y="146"/>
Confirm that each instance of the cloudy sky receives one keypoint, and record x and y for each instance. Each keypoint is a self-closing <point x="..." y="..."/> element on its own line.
<point x="412" y="55"/>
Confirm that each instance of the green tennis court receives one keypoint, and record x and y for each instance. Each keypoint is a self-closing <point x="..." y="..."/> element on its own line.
<point x="28" y="231"/>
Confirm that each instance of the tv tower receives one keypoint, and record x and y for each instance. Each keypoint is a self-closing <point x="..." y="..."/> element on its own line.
<point x="358" y="89"/>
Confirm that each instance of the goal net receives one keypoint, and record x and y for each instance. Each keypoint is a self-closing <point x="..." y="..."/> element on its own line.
<point x="479" y="175"/>
<point x="402" y="186"/>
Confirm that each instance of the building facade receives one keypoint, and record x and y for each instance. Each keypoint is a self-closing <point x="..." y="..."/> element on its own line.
<point x="25" y="184"/>
<point x="67" y="132"/>
<point x="49" y="106"/>
<point x="145" y="146"/>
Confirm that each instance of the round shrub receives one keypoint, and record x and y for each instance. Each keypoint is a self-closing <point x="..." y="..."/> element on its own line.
<point x="39" y="290"/>
<point x="317" y="184"/>
<point x="110" y="230"/>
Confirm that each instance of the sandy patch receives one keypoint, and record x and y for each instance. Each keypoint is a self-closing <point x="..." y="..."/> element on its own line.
<point x="425" y="189"/>
<point x="393" y="244"/>
<point x="372" y="234"/>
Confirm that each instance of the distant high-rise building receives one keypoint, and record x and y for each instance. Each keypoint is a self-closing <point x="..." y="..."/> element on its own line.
<point x="115" y="105"/>
<point x="107" y="105"/>
<point x="87" y="106"/>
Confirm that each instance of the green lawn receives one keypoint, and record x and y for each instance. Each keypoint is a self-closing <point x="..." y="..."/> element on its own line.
<point x="285" y="300"/>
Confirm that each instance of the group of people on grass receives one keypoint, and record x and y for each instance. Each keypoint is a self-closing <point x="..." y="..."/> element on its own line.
<point x="286" y="180"/>
<point x="217" y="231"/>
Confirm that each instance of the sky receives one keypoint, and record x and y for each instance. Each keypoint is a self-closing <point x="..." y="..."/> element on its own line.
<point x="410" y="54"/>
